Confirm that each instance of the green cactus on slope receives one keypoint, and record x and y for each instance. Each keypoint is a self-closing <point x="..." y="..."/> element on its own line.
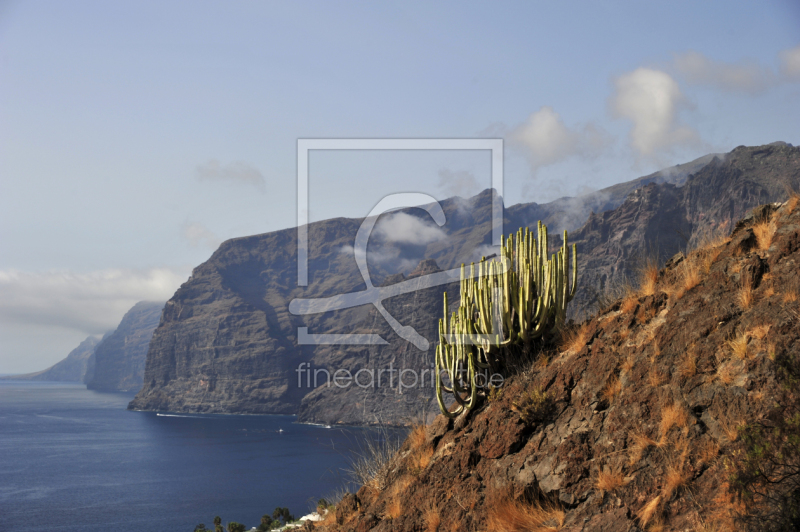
<point x="505" y="302"/>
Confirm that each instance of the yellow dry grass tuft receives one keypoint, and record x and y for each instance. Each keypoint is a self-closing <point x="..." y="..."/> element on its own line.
<point x="759" y="332"/>
<point x="745" y="295"/>
<point x="420" y="459"/>
<point x="394" y="509"/>
<point x="688" y="364"/>
<point x="792" y="203"/>
<point x="673" y="415"/>
<point x="708" y="451"/>
<point x="432" y="519"/>
<point x="690" y="274"/>
<point x="506" y="514"/>
<point x="609" y="480"/>
<point x="728" y="372"/>
<point x="641" y="442"/>
<point x="628" y="304"/>
<point x="649" y="510"/>
<point x="656" y="377"/>
<point x="738" y="346"/>
<point x="790" y="296"/>
<point x="611" y="389"/>
<point x="417" y="436"/>
<point x="574" y="338"/>
<point x="648" y="276"/>
<point x="730" y="428"/>
<point x="674" y="479"/>
<point x="628" y="363"/>
<point x="769" y="292"/>
<point x="764" y="231"/>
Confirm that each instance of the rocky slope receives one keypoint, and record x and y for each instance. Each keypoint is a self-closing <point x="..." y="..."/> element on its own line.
<point x="227" y="342"/>
<point x="118" y="362"/>
<point x="642" y="419"/>
<point x="71" y="369"/>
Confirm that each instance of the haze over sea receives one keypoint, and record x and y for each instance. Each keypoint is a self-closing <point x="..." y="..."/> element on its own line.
<point x="75" y="460"/>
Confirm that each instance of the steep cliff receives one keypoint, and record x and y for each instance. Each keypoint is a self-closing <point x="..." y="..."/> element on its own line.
<point x="227" y="342"/>
<point x="118" y="362"/>
<point x="674" y="409"/>
<point x="71" y="369"/>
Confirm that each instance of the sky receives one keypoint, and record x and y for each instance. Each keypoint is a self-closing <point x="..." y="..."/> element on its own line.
<point x="137" y="136"/>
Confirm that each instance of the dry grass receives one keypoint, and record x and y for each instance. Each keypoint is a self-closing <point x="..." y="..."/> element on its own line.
<point x="641" y="442"/>
<point x="574" y="338"/>
<point x="759" y="332"/>
<point x="505" y="514"/>
<point x="690" y="274"/>
<point x="629" y="304"/>
<point x="673" y="415"/>
<point x="708" y="451"/>
<point x="628" y="363"/>
<point x="372" y="465"/>
<point x="656" y="377"/>
<point x="417" y="436"/>
<point x="792" y="203"/>
<point x="738" y="346"/>
<point x="772" y="351"/>
<point x="769" y="292"/>
<point x="764" y="231"/>
<point x="745" y="295"/>
<point x="394" y="509"/>
<point x="688" y="364"/>
<point x="648" y="276"/>
<point x="649" y="510"/>
<point x="432" y="519"/>
<point x="727" y="373"/>
<point x="609" y="481"/>
<point x="790" y="296"/>
<point x="611" y="389"/>
<point x="420" y="459"/>
<point x="730" y="427"/>
<point x="674" y="479"/>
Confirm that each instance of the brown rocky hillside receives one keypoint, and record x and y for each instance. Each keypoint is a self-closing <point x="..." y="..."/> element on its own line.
<point x="633" y="423"/>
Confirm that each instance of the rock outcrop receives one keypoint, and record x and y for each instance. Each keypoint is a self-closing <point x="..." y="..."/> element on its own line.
<point x="71" y="369"/>
<point x="227" y="342"/>
<point x="645" y="407"/>
<point x="118" y="361"/>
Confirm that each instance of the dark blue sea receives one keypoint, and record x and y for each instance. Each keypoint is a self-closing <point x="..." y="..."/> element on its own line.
<point x="76" y="460"/>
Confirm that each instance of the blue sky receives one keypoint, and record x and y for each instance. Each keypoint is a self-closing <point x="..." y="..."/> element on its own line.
<point x="136" y="136"/>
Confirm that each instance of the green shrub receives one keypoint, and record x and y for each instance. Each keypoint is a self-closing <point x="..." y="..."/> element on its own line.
<point x="534" y="407"/>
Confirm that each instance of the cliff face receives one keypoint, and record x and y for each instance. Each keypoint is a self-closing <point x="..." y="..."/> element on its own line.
<point x="643" y="422"/>
<point x="118" y="362"/>
<point x="227" y="342"/>
<point x="71" y="369"/>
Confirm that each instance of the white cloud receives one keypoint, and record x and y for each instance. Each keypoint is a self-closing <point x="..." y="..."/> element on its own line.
<point x="199" y="235"/>
<point x="236" y="172"/>
<point x="91" y="303"/>
<point x="545" y="139"/>
<point x="459" y="183"/>
<point x="651" y="100"/>
<point x="404" y="228"/>
<point x="743" y="76"/>
<point x="790" y="63"/>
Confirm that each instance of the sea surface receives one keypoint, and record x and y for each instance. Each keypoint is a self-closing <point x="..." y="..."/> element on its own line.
<point x="76" y="460"/>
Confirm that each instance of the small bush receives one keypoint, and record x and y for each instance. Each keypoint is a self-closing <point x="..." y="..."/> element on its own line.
<point x="534" y="407"/>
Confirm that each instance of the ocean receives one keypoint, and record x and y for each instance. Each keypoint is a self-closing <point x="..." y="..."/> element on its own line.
<point x="75" y="460"/>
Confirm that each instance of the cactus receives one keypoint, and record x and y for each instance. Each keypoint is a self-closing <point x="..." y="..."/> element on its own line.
<point x="507" y="302"/>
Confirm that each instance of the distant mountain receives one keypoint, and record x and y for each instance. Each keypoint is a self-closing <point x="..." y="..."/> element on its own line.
<point x="227" y="342"/>
<point x="118" y="361"/>
<point x="71" y="369"/>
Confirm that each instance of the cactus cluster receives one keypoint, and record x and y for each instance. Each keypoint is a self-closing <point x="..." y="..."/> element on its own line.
<point x="505" y="302"/>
